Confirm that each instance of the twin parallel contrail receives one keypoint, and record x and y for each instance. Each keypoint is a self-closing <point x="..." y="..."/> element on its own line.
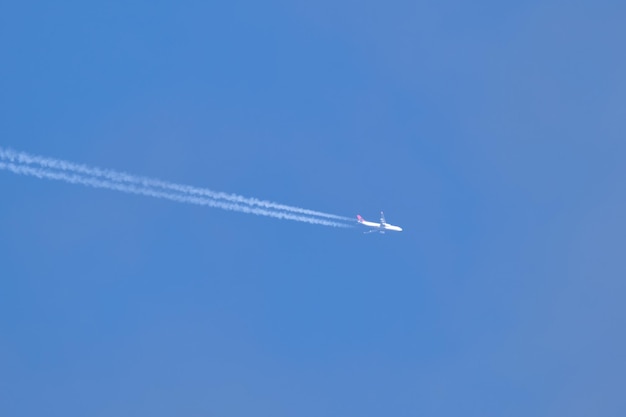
<point x="55" y="169"/>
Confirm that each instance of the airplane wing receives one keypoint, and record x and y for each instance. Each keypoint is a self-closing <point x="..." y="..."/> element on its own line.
<point x="382" y="218"/>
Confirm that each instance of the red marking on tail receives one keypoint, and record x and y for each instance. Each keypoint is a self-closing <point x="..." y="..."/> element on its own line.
<point x="359" y="218"/>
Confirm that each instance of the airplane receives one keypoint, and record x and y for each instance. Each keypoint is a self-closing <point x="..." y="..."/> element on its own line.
<point x="378" y="227"/>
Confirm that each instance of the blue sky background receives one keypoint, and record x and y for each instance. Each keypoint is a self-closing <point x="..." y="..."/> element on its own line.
<point x="491" y="131"/>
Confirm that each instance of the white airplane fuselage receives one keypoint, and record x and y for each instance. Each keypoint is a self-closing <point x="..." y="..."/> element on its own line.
<point x="379" y="227"/>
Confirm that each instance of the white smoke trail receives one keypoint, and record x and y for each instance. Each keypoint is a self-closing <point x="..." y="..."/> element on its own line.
<point x="57" y="164"/>
<point x="146" y="191"/>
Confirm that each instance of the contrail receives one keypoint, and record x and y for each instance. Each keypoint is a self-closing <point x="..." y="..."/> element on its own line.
<point x="146" y="191"/>
<point x="58" y="164"/>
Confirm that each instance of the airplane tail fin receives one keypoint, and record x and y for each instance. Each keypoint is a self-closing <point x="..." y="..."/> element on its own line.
<point x="359" y="218"/>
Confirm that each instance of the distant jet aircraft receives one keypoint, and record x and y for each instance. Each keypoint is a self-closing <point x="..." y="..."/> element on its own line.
<point x="378" y="227"/>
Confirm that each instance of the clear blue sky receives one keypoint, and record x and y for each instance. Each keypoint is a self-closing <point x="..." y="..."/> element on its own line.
<point x="493" y="132"/>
